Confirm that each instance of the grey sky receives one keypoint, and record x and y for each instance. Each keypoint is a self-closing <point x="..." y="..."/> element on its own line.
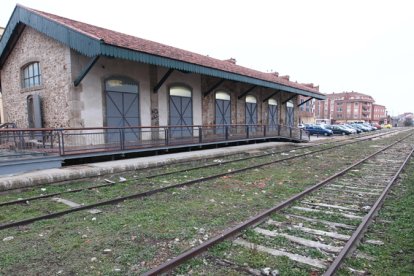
<point x="365" y="46"/>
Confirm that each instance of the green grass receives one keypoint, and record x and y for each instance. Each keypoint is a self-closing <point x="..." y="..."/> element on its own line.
<point x="142" y="233"/>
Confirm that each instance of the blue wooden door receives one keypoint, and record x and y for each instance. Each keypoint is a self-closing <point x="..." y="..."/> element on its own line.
<point x="223" y="111"/>
<point x="289" y="114"/>
<point x="273" y="119"/>
<point x="122" y="109"/>
<point x="180" y="112"/>
<point x="251" y="113"/>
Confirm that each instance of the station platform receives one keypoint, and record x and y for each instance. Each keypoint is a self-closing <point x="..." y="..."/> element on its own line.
<point x="76" y="172"/>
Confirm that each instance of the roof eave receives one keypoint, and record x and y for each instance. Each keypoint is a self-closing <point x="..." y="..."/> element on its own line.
<point x="92" y="47"/>
<point x="123" y="53"/>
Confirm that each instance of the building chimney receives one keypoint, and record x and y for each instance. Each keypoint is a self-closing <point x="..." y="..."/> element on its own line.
<point x="310" y="85"/>
<point x="231" y="60"/>
<point x="287" y="77"/>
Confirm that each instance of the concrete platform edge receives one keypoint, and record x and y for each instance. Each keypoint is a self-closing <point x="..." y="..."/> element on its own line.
<point x="72" y="173"/>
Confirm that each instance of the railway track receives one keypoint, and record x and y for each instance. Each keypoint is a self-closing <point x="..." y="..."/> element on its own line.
<point x="116" y="200"/>
<point x="317" y="228"/>
<point x="203" y="166"/>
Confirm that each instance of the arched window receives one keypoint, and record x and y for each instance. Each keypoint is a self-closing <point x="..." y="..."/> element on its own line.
<point x="223" y="111"/>
<point x="273" y="118"/>
<point x="289" y="114"/>
<point x="181" y="111"/>
<point x="31" y="75"/>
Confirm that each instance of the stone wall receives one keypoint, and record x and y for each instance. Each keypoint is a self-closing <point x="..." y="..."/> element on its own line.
<point x="54" y="60"/>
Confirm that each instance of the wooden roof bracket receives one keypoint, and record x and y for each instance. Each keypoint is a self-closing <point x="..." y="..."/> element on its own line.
<point x="294" y="95"/>
<point x="271" y="95"/>
<point x="163" y="79"/>
<point x="213" y="87"/>
<point x="305" y="101"/>
<point x="247" y="92"/>
<point x="85" y="70"/>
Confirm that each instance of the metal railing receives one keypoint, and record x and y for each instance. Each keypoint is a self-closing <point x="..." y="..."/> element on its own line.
<point x="72" y="141"/>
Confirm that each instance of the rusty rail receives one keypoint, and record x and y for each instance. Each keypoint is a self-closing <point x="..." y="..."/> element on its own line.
<point x="365" y="223"/>
<point x="191" y="253"/>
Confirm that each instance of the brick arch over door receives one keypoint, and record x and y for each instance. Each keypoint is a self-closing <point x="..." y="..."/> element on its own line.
<point x="122" y="108"/>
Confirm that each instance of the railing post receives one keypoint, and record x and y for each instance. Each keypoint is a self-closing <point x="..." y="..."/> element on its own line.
<point x="21" y="140"/>
<point x="226" y="129"/>
<point x="200" y="134"/>
<point x="290" y="132"/>
<point x="122" y="139"/>
<point x="264" y="130"/>
<point x="61" y="142"/>
<point x="166" y="135"/>
<point x="278" y="129"/>
<point x="51" y="139"/>
<point x="300" y="134"/>
<point x="247" y="132"/>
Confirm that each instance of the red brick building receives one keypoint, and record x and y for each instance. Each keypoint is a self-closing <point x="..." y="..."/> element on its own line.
<point x="379" y="113"/>
<point x="348" y="107"/>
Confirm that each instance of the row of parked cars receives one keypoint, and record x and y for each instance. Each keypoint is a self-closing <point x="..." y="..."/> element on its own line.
<point x="342" y="129"/>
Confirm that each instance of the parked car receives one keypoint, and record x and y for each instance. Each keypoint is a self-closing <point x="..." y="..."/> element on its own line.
<point x="354" y="128"/>
<point x="362" y="127"/>
<point x="369" y="126"/>
<point x="338" y="129"/>
<point x="376" y="125"/>
<point x="387" y="126"/>
<point x="318" y="130"/>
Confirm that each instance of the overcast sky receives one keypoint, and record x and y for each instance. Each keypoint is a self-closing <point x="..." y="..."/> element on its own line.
<point x="362" y="45"/>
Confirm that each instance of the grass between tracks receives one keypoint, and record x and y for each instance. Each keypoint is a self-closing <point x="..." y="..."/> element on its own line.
<point x="136" y="235"/>
<point x="393" y="226"/>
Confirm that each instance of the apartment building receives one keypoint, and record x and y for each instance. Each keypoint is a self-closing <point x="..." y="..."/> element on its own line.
<point x="348" y="107"/>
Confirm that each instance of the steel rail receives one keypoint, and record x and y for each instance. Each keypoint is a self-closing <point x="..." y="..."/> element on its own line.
<point x="365" y="222"/>
<point x="151" y="192"/>
<point x="361" y="138"/>
<point x="23" y="200"/>
<point x="176" y="261"/>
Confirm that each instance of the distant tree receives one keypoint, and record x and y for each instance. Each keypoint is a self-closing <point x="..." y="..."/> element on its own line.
<point x="408" y="121"/>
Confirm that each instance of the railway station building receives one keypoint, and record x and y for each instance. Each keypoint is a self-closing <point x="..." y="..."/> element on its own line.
<point x="61" y="73"/>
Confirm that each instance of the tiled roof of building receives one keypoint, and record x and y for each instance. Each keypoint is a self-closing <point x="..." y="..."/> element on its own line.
<point x="154" y="48"/>
<point x="348" y="95"/>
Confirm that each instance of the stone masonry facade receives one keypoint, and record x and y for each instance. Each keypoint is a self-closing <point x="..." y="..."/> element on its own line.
<point x="54" y="61"/>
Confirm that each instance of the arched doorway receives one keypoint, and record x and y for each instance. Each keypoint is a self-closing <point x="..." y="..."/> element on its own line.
<point x="290" y="114"/>
<point x="223" y="111"/>
<point x="273" y="118"/>
<point x="122" y="107"/>
<point x="180" y="111"/>
<point x="251" y="113"/>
